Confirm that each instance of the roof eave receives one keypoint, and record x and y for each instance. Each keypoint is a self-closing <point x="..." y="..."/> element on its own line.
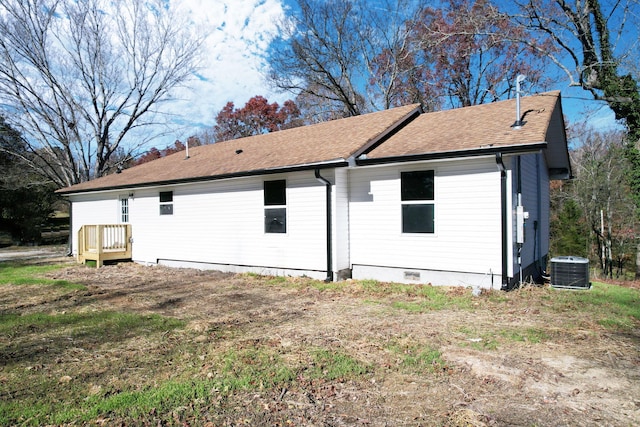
<point x="311" y="166"/>
<point x="475" y="152"/>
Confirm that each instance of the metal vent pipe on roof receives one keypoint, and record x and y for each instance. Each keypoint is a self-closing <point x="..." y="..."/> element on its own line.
<point x="519" y="79"/>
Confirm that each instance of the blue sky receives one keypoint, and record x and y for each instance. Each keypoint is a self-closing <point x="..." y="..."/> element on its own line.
<point x="234" y="63"/>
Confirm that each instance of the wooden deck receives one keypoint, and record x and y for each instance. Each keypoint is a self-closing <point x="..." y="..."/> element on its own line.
<point x="104" y="242"/>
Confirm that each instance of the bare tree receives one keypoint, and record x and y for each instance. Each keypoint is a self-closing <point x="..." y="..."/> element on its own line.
<point x="596" y="46"/>
<point x="470" y="53"/>
<point x="78" y="78"/>
<point x="345" y="57"/>
<point x="329" y="55"/>
<point x="393" y="64"/>
<point x="601" y="189"/>
<point x="319" y="54"/>
<point x="592" y="41"/>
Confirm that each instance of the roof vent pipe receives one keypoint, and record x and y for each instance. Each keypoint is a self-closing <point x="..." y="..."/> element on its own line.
<point x="519" y="79"/>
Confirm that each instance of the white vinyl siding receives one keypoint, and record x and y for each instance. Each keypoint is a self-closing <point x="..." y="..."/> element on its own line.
<point x="222" y="222"/>
<point x="467" y="218"/>
<point x="341" y="224"/>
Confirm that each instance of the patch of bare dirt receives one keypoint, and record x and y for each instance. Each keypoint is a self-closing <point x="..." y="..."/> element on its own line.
<point x="579" y="377"/>
<point x="34" y="254"/>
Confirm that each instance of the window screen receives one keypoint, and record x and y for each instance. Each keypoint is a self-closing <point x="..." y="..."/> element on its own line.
<point x="417" y="218"/>
<point x="275" y="220"/>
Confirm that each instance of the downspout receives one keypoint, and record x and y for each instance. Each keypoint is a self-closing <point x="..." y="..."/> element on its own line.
<point x="537" y="223"/>
<point x="504" y="226"/>
<point x="519" y="209"/>
<point x="327" y="184"/>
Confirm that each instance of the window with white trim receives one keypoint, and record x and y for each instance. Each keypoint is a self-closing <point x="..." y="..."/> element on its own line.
<point x="417" y="196"/>
<point x="166" y="203"/>
<point x="124" y="209"/>
<point x="275" y="206"/>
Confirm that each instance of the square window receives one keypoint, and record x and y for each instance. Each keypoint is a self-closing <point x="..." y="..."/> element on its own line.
<point x="275" y="193"/>
<point x="275" y="220"/>
<point x="416" y="185"/>
<point x="417" y="218"/>
<point x="166" y="196"/>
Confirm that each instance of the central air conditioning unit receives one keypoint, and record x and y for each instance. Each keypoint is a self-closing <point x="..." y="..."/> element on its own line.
<point x="570" y="272"/>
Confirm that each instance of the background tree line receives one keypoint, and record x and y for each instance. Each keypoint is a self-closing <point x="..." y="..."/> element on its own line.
<point x="79" y="85"/>
<point x="595" y="214"/>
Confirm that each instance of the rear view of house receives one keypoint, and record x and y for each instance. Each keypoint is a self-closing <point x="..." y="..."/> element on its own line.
<point x="458" y="197"/>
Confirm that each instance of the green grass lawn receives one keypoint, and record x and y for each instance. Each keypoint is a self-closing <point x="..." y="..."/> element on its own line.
<point x="92" y="364"/>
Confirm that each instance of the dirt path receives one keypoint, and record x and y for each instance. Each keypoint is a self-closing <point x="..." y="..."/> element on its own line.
<point x="577" y="377"/>
<point x="33" y="253"/>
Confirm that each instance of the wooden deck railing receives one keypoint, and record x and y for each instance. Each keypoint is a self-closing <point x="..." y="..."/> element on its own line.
<point x="104" y="242"/>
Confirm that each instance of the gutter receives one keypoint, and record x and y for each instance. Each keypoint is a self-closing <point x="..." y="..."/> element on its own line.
<point x="329" y="226"/>
<point x="333" y="164"/>
<point x="504" y="211"/>
<point x="482" y="151"/>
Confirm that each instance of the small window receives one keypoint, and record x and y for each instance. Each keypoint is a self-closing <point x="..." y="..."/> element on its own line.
<point x="166" y="203"/>
<point x="416" y="188"/>
<point x="417" y="185"/>
<point x="275" y="215"/>
<point x="275" y="193"/>
<point x="124" y="209"/>
<point x="275" y="220"/>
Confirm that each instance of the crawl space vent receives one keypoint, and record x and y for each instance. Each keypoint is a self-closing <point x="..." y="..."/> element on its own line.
<point x="570" y="272"/>
<point x="412" y="275"/>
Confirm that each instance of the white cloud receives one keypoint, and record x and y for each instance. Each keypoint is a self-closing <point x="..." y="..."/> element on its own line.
<point x="233" y="62"/>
